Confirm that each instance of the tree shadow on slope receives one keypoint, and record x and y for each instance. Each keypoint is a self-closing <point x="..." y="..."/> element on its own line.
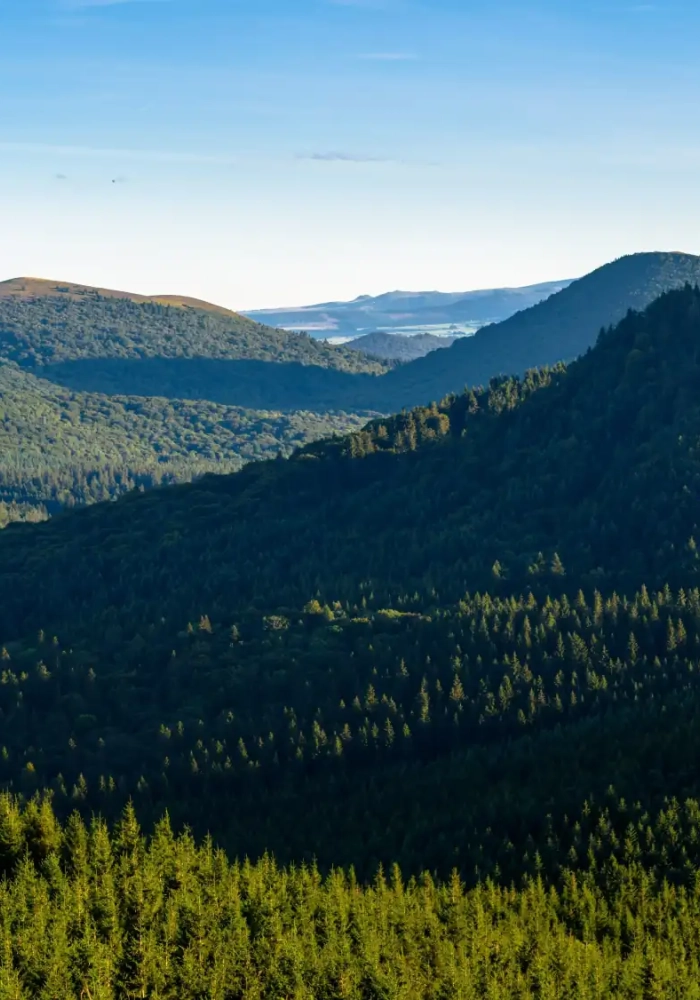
<point x="250" y="384"/>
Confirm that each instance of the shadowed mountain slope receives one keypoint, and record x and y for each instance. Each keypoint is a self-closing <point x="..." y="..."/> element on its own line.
<point x="558" y="329"/>
<point x="487" y="486"/>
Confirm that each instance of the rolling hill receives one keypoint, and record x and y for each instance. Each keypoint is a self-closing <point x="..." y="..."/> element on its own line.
<point x="83" y="378"/>
<point x="393" y="346"/>
<point x="42" y="288"/>
<point x="54" y="327"/>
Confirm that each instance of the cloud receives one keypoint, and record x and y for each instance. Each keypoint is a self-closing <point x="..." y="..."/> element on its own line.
<point x="339" y="157"/>
<point x="60" y="177"/>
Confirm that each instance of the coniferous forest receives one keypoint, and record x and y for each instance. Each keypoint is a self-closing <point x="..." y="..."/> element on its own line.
<point x="413" y="713"/>
<point x="104" y="392"/>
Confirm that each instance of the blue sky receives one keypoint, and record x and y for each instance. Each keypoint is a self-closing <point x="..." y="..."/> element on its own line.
<point x="270" y="152"/>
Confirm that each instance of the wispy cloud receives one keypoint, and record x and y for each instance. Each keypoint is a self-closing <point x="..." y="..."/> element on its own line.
<point x="120" y="156"/>
<point x="340" y="157"/>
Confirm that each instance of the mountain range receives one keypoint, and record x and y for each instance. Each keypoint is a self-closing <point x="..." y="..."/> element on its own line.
<point x="410" y="713"/>
<point x="359" y="552"/>
<point x="399" y="310"/>
<point x="138" y="392"/>
<point x="434" y="496"/>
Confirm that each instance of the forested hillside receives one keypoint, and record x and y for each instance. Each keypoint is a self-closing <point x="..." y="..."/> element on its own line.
<point x="558" y="329"/>
<point x="580" y="461"/>
<point x="533" y="736"/>
<point x="110" y="391"/>
<point x="46" y="330"/>
<point x="119" y="346"/>
<point x="246" y="392"/>
<point x="443" y="670"/>
<point x="60" y="448"/>
<point x="397" y="347"/>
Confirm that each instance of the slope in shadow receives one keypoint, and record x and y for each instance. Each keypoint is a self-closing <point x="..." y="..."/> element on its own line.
<point x="246" y="383"/>
<point x="561" y="328"/>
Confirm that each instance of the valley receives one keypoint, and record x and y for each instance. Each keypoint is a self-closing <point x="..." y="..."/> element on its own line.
<point x="136" y="392"/>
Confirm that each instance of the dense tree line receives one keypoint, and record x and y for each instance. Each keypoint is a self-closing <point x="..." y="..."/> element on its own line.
<point x="461" y="728"/>
<point x="61" y="448"/>
<point x="43" y="331"/>
<point x="86" y="914"/>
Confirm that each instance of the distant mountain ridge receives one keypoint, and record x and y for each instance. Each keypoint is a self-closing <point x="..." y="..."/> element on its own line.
<point x="399" y="309"/>
<point x="560" y="328"/>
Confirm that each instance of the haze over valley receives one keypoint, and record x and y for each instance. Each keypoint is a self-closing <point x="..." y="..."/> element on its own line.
<point x="439" y="313"/>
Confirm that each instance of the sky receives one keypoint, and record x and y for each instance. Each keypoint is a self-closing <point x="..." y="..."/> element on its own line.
<point x="262" y="153"/>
